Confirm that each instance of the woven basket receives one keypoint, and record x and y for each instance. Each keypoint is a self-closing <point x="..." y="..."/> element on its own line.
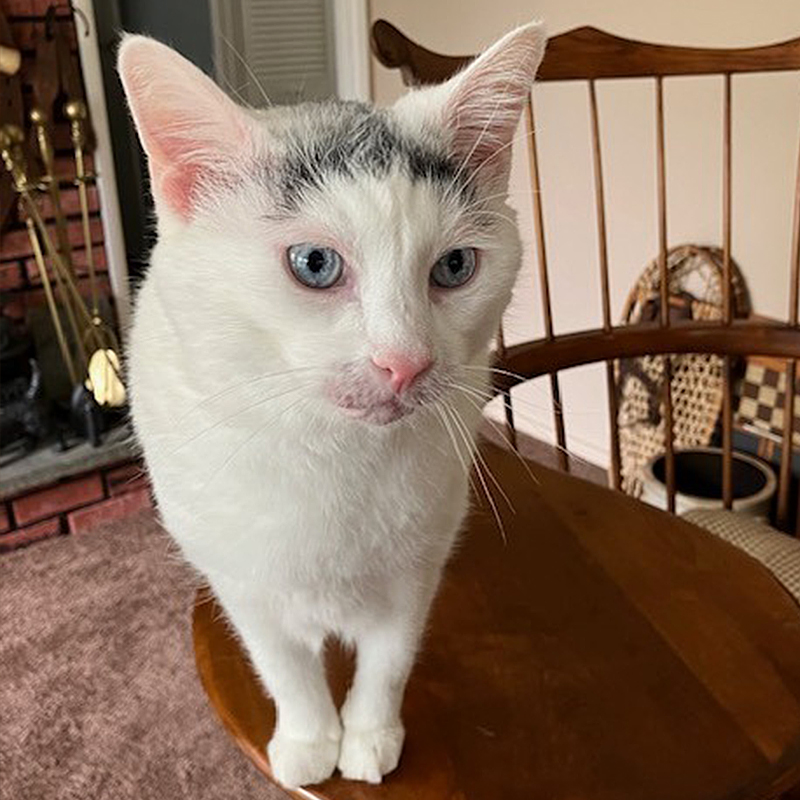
<point x="696" y="292"/>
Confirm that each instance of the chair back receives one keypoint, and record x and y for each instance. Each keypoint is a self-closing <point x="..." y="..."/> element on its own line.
<point x="589" y="55"/>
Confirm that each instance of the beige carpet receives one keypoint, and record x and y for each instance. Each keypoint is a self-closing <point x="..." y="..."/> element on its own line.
<point x="98" y="693"/>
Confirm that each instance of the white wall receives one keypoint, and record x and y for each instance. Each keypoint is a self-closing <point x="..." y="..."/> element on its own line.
<point x="766" y="115"/>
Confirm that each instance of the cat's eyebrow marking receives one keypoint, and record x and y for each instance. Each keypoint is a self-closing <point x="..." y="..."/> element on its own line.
<point x="348" y="138"/>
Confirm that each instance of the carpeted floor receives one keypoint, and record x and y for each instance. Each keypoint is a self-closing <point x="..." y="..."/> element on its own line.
<point x="98" y="692"/>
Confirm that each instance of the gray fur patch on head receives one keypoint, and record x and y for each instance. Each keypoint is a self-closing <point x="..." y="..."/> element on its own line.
<point x="347" y="139"/>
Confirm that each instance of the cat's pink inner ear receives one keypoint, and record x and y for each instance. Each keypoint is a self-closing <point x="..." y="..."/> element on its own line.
<point x="190" y="129"/>
<point x="487" y="98"/>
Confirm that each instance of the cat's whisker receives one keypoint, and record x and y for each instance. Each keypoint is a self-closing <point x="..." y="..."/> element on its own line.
<point x="301" y="89"/>
<point x="524" y="418"/>
<point x="446" y="425"/>
<point x="228" y="418"/>
<point x="489" y="497"/>
<point x="519" y="137"/>
<point x="499" y="151"/>
<point x="239" y="448"/>
<point x="497" y="430"/>
<point x="481" y="368"/>
<point x="234" y="387"/>
<point x="487" y="396"/>
<point x="466" y="430"/>
<point x="237" y="93"/>
<point x="468" y="468"/>
<point x="549" y="407"/>
<point x="544" y="428"/>
<point x="477" y="211"/>
<point x="234" y="334"/>
<point x="248" y="68"/>
<point x="435" y="444"/>
<point x="479" y="456"/>
<point x="528" y="382"/>
<point x="488" y="214"/>
<point x="502" y="96"/>
<point x="483" y="199"/>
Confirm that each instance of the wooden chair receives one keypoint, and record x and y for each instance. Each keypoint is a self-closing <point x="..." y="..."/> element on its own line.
<point x="589" y="55"/>
<point x="606" y="649"/>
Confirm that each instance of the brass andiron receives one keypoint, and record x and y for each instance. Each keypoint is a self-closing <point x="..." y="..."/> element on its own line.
<point x="103" y="367"/>
<point x="87" y="344"/>
<point x="11" y="141"/>
<point x="100" y="372"/>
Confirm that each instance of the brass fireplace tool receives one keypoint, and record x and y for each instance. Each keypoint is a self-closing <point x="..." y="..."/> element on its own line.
<point x="87" y="344"/>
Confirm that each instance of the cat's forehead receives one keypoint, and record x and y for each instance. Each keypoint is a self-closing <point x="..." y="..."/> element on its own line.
<point x="335" y="139"/>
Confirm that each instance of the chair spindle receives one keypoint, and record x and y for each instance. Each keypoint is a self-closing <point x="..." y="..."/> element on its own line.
<point x="727" y="301"/>
<point x="785" y="472"/>
<point x="791" y="371"/>
<point x="664" y="280"/>
<point x="611" y="388"/>
<point x="511" y="430"/>
<point x="538" y="223"/>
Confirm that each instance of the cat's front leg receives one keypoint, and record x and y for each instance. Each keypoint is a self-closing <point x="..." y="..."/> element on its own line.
<point x="304" y="747"/>
<point x="387" y="645"/>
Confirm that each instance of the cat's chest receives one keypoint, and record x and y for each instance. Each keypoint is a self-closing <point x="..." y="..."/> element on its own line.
<point x="287" y="506"/>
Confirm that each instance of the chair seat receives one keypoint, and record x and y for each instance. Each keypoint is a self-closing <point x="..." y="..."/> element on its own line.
<point x="779" y="553"/>
<point x="604" y="649"/>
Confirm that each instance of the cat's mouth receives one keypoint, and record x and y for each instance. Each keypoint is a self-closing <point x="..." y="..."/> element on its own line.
<point x="379" y="413"/>
<point x="365" y="395"/>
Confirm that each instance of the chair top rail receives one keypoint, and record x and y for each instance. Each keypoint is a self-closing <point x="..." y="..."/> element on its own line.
<point x="588" y="53"/>
<point x="529" y="360"/>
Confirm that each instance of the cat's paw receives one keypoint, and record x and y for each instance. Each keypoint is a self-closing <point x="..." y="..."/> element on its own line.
<point x="296" y="763"/>
<point x="369" y="755"/>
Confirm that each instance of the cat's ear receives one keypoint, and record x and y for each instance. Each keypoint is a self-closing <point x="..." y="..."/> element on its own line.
<point x="192" y="132"/>
<point x="482" y="104"/>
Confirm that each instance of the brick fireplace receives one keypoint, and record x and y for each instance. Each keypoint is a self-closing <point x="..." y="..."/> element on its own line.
<point x="73" y="505"/>
<point x="52" y="493"/>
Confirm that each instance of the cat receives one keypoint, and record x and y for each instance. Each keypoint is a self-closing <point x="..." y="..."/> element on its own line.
<point x="307" y="362"/>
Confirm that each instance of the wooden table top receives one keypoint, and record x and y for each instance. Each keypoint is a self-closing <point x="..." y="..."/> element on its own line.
<point x="606" y="651"/>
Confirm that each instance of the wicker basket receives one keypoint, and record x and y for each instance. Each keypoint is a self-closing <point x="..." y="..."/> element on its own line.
<point x="695" y="292"/>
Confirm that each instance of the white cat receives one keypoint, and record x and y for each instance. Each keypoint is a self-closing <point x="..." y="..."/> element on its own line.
<point x="308" y="360"/>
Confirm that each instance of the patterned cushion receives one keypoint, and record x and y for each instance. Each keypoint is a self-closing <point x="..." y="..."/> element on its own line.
<point x="779" y="553"/>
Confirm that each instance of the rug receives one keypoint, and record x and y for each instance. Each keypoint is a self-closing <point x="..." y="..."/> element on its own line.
<point x="98" y="692"/>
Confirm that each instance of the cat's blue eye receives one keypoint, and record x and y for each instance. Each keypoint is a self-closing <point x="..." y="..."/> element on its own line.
<point x="315" y="266"/>
<point x="454" y="268"/>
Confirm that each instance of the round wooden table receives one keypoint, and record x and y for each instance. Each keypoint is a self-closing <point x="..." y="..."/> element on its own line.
<point x="605" y="651"/>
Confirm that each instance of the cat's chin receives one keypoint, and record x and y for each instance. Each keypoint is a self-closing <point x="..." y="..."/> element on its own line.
<point x="379" y="413"/>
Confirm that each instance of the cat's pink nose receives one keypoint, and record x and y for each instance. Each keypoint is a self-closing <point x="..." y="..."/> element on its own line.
<point x="403" y="368"/>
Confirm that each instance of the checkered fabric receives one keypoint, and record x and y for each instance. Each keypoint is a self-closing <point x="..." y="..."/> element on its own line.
<point x="779" y="553"/>
<point x="762" y="394"/>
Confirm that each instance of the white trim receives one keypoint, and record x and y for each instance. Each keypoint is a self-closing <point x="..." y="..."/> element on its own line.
<point x="116" y="257"/>
<point x="351" y="38"/>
